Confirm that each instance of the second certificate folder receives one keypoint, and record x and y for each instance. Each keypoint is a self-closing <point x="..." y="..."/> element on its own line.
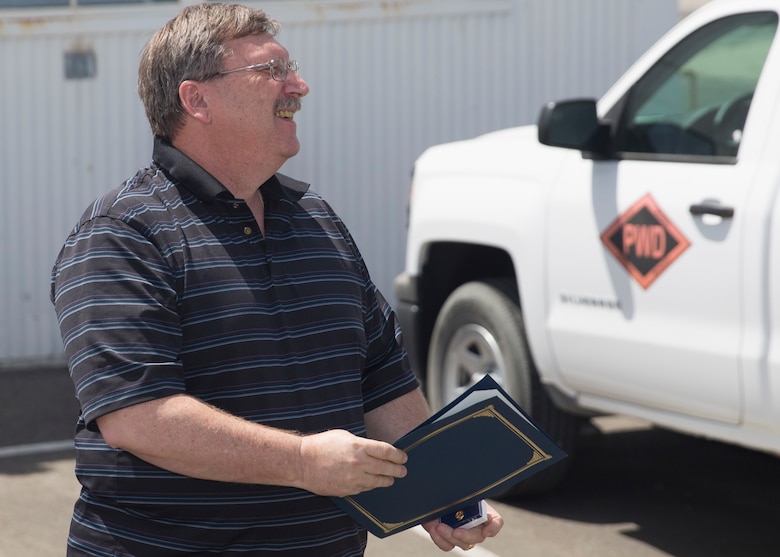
<point x="476" y="447"/>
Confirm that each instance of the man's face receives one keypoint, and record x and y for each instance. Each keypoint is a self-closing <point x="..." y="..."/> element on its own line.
<point x="255" y="112"/>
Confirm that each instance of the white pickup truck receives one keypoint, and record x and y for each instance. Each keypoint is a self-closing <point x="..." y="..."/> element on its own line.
<point x="623" y="256"/>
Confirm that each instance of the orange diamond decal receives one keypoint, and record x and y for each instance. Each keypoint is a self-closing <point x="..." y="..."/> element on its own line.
<point x="644" y="241"/>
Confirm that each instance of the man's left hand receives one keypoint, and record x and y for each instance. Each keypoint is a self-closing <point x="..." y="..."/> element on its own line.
<point x="447" y="538"/>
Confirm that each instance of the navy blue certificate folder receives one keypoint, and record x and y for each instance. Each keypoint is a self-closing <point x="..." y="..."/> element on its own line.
<point x="476" y="447"/>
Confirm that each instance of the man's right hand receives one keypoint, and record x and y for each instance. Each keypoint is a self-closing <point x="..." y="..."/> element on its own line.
<point x="338" y="463"/>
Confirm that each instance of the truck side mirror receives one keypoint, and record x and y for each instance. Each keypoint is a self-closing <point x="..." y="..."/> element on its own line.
<point x="573" y="124"/>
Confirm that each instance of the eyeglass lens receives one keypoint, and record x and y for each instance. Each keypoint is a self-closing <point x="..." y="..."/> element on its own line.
<point x="280" y="67"/>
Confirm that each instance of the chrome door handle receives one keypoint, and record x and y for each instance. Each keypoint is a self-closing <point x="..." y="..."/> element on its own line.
<point x="717" y="210"/>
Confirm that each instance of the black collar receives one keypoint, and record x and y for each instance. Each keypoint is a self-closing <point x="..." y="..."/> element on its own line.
<point x="184" y="171"/>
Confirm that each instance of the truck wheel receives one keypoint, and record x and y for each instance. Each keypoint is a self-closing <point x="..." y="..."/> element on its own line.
<point x="480" y="331"/>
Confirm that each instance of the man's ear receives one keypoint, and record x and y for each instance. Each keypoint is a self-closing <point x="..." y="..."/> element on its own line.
<point x="193" y="100"/>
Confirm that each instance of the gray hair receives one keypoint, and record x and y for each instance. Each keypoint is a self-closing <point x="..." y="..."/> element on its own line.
<point x="191" y="46"/>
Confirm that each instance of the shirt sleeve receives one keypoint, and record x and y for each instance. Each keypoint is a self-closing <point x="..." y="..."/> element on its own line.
<point x="388" y="373"/>
<point x="116" y="303"/>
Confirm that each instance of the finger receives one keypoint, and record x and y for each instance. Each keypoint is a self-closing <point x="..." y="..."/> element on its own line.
<point x="461" y="537"/>
<point x="385" y="460"/>
<point x="379" y="473"/>
<point x="385" y="451"/>
<point x="494" y="523"/>
<point x="440" y="541"/>
<point x="384" y="468"/>
<point x="492" y="527"/>
<point x="379" y="480"/>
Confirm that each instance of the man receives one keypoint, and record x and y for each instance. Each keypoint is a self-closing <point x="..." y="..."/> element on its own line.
<point x="233" y="361"/>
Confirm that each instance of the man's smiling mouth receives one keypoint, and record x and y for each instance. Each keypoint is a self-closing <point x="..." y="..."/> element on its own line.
<point x="287" y="107"/>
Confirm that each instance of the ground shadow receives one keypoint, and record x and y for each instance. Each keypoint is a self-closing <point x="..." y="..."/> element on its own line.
<point x="37" y="404"/>
<point x="32" y="464"/>
<point x="687" y="496"/>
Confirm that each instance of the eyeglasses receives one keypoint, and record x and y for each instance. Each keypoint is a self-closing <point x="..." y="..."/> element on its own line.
<point x="278" y="67"/>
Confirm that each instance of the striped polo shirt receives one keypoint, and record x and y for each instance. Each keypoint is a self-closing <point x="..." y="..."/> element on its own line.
<point x="167" y="286"/>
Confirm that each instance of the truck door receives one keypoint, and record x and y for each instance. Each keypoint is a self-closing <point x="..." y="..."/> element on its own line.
<point x="645" y="248"/>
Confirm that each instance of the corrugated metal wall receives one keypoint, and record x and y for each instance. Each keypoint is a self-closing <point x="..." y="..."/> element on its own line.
<point x="388" y="79"/>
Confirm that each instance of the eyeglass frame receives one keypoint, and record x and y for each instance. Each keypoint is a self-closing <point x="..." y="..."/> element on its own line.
<point x="286" y="67"/>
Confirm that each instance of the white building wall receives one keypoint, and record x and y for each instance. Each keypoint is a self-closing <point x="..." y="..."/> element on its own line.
<point x="387" y="78"/>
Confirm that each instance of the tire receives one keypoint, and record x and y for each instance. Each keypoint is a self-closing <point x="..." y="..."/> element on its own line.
<point x="480" y="331"/>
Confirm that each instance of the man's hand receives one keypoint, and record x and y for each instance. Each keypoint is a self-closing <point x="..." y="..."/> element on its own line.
<point x="337" y="463"/>
<point x="447" y="538"/>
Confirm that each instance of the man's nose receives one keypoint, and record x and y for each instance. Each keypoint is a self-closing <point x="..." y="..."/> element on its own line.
<point x="296" y="85"/>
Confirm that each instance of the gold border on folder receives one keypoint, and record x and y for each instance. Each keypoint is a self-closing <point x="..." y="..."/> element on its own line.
<point x="488" y="411"/>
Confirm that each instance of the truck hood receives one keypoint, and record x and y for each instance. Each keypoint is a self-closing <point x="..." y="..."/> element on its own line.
<point x="509" y="153"/>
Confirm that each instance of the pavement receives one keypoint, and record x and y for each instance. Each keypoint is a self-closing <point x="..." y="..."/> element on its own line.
<point x="38" y="411"/>
<point x="37" y="492"/>
<point x="632" y="490"/>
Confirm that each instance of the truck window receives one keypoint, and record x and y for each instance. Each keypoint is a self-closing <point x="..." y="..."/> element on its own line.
<point x="695" y="100"/>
